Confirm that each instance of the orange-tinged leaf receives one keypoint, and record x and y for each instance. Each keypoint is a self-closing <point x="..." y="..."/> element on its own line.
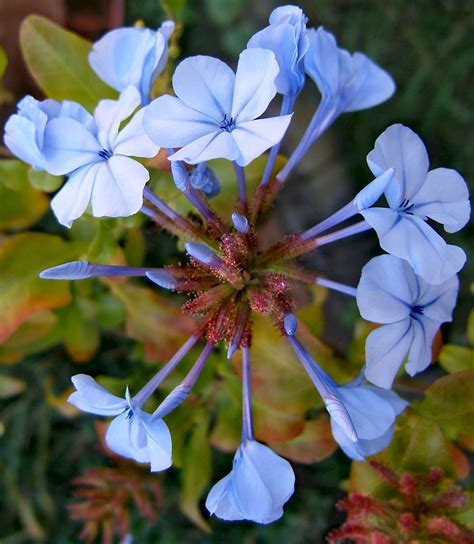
<point x="274" y="425"/>
<point x="460" y="462"/>
<point x="153" y="320"/>
<point x="22" y="292"/>
<point x="314" y="444"/>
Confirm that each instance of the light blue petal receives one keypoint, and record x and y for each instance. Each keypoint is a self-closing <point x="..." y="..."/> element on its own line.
<point x="254" y="137"/>
<point x="400" y="148"/>
<point x="72" y="199"/>
<point x="420" y="355"/>
<point x="68" y="145"/>
<point x="369" y="86"/>
<point x="21" y="139"/>
<point x="289" y="14"/>
<point x="74" y="111"/>
<point x="128" y="56"/>
<point x="262" y="482"/>
<point x="369" y="195"/>
<point x="158" y="442"/>
<point x="409" y="237"/>
<point x="254" y="84"/>
<point x="132" y="140"/>
<point x="283" y="41"/>
<point x="371" y="414"/>
<point x="438" y="301"/>
<point x="350" y="448"/>
<point x="396" y="402"/>
<point x="387" y="290"/>
<point x="205" y="84"/>
<point x="118" y="187"/>
<point x="217" y="145"/>
<point x="444" y="197"/>
<point x="170" y="123"/>
<point x="376" y="445"/>
<point x="109" y="115"/>
<point x="93" y="398"/>
<point x="385" y="351"/>
<point x="219" y="501"/>
<point x="321" y="61"/>
<point x="119" y="438"/>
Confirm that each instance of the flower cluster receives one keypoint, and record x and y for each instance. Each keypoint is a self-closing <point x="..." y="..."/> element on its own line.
<point x="216" y="113"/>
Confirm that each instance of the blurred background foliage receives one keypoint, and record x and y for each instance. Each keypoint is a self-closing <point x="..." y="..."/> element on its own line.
<point x="57" y="479"/>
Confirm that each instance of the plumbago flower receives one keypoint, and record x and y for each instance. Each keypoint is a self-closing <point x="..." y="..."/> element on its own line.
<point x="65" y="139"/>
<point x="229" y="274"/>
<point x="411" y="310"/>
<point x="414" y="195"/>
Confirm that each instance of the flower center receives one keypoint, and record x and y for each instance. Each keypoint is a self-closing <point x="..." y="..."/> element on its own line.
<point x="417" y="310"/>
<point x="104" y="154"/>
<point x="405" y="206"/>
<point x="227" y="124"/>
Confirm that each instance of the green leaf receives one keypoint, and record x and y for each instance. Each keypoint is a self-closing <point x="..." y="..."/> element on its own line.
<point x="196" y="471"/>
<point x="427" y="448"/>
<point x="3" y="62"/>
<point x="470" y="328"/>
<point x="43" y="181"/>
<point x="22" y="292"/>
<point x="9" y="387"/>
<point x="79" y="329"/>
<point x="456" y="358"/>
<point x="57" y="59"/>
<point x="173" y="8"/>
<point x="21" y="205"/>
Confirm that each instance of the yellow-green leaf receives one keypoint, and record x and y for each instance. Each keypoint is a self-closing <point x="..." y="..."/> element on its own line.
<point x="456" y="358"/>
<point x="57" y="59"/>
<point x="43" y="181"/>
<point x="20" y="204"/>
<point x="22" y="292"/>
<point x="3" y="62"/>
<point x="9" y="386"/>
<point x="196" y="472"/>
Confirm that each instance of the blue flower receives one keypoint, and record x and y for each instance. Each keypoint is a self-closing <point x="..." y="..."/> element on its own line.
<point x="257" y="488"/>
<point x="24" y="131"/>
<point x="372" y="412"/>
<point x="132" y="56"/>
<point x="411" y="311"/>
<point x="132" y="433"/>
<point x="414" y="195"/>
<point x="214" y="114"/>
<point x="203" y="178"/>
<point x="97" y="158"/>
<point x="286" y="37"/>
<point x="346" y="82"/>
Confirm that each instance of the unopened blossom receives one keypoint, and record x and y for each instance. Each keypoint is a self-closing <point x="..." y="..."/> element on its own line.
<point x="132" y="433"/>
<point x="215" y="112"/>
<point x="410" y="311"/>
<point x="132" y="56"/>
<point x="414" y="195"/>
<point x="286" y="37"/>
<point x="256" y="489"/>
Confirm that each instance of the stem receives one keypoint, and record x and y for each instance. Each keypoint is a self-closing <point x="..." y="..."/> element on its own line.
<point x="321" y="120"/>
<point x="148" y="389"/>
<point x="241" y="186"/>
<point x="247" y="420"/>
<point x="344" y="213"/>
<point x="179" y="225"/>
<point x="336" y="286"/>
<point x="343" y="233"/>
<point x="193" y="374"/>
<point x="286" y="107"/>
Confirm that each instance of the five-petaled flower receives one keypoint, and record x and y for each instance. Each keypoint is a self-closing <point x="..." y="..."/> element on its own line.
<point x="411" y="311"/>
<point x="214" y="114"/>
